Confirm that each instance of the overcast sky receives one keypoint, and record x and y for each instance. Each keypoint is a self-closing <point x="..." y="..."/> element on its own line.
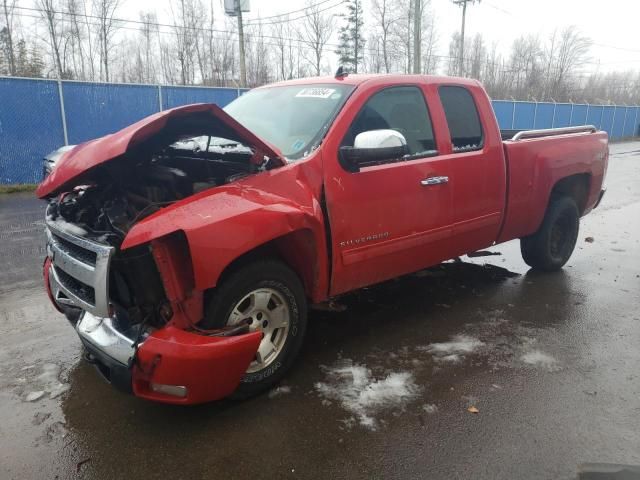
<point x="614" y="25"/>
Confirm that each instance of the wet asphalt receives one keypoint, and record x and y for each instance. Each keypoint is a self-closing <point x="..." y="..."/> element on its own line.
<point x="550" y="362"/>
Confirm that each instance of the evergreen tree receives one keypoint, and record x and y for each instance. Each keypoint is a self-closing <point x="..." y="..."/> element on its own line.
<point x="22" y="59"/>
<point x="351" y="40"/>
<point x="29" y="63"/>
<point x="36" y="64"/>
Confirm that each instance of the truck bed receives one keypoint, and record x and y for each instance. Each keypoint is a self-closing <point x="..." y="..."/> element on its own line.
<point x="536" y="160"/>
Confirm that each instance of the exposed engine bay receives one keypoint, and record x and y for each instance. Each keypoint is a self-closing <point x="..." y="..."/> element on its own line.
<point x="116" y="195"/>
<point x="120" y="193"/>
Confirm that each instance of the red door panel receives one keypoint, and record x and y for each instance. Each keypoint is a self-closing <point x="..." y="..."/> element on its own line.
<point x="384" y="221"/>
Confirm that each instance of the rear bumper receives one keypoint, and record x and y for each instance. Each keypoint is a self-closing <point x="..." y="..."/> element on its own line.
<point x="169" y="365"/>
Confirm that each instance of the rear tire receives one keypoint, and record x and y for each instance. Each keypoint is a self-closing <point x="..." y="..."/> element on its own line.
<point x="552" y="245"/>
<point x="271" y="296"/>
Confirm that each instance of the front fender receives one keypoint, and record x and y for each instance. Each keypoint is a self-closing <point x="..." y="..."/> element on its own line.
<point x="231" y="221"/>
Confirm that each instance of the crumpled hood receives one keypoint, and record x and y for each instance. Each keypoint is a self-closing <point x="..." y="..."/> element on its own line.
<point x="84" y="157"/>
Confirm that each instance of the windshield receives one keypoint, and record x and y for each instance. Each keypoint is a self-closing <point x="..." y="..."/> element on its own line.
<point x="293" y="118"/>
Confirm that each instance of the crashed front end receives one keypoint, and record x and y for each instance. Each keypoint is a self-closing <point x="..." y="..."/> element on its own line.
<point x="136" y="310"/>
<point x="158" y="357"/>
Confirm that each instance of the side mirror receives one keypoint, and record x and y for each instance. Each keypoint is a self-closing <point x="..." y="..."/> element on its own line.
<point x="372" y="147"/>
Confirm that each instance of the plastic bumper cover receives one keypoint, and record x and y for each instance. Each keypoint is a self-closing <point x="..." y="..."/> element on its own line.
<point x="192" y="368"/>
<point x="169" y="365"/>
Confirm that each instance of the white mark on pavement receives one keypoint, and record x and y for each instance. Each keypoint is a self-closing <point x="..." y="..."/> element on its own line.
<point x="540" y="359"/>
<point x="278" y="391"/>
<point x="359" y="392"/>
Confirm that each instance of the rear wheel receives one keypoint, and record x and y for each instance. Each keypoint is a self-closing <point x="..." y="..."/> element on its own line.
<point x="552" y="245"/>
<point x="269" y="297"/>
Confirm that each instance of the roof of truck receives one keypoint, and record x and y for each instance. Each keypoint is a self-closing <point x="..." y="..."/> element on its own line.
<point x="358" y="79"/>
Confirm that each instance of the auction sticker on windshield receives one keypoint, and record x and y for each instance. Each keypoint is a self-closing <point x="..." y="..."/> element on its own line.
<point x="316" y="92"/>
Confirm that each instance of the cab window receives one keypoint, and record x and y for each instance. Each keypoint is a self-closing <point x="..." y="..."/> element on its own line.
<point x="462" y="118"/>
<point x="398" y="108"/>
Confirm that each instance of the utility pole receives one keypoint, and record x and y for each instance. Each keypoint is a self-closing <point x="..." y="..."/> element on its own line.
<point x="243" y="67"/>
<point x="463" y="4"/>
<point x="409" y="56"/>
<point x="417" y="36"/>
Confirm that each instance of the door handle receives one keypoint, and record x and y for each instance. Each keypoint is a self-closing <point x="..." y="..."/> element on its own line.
<point x="434" y="181"/>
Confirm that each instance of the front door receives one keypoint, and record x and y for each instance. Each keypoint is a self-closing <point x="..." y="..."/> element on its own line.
<point x="393" y="217"/>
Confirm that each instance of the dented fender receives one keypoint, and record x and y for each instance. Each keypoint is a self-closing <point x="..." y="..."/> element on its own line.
<point x="226" y="222"/>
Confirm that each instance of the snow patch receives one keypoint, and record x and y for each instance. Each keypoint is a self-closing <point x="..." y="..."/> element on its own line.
<point x="458" y="345"/>
<point x="359" y="392"/>
<point x="540" y="359"/>
<point x="453" y="358"/>
<point x="278" y="391"/>
<point x="33" y="396"/>
<point x="47" y="382"/>
<point x="430" y="408"/>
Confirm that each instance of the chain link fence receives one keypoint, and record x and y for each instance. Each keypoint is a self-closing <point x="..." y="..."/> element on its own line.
<point x="38" y="116"/>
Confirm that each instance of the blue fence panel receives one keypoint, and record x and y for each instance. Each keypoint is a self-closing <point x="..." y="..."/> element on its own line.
<point x="607" y="119"/>
<point x="563" y="115"/>
<point x="544" y="115"/>
<point x="579" y="115"/>
<point x="504" y="113"/>
<point x="594" y="117"/>
<point x="618" y="122"/>
<point x="525" y="115"/>
<point x="177" y="96"/>
<point x="634" y="121"/>
<point x="629" y="118"/>
<point x="30" y="127"/>
<point x="96" y="109"/>
<point x="31" y="117"/>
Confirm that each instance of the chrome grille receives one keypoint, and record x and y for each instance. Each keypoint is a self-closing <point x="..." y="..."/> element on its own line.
<point x="80" y="273"/>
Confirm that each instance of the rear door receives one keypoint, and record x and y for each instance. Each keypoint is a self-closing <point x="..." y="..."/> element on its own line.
<point x="384" y="220"/>
<point x="477" y="182"/>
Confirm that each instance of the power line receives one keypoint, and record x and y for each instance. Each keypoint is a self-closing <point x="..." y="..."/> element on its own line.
<point x="260" y="22"/>
<point x="228" y="33"/>
<point x="314" y="5"/>
<point x="157" y="24"/>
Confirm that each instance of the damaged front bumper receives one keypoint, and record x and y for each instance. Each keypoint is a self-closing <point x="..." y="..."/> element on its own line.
<point x="169" y="364"/>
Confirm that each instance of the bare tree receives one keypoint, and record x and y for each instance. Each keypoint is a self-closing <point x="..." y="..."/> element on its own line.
<point x="386" y="17"/>
<point x="282" y="33"/>
<point x="525" y="67"/>
<point x="105" y="10"/>
<point x="315" y="32"/>
<point x="566" y="53"/>
<point x="8" y="34"/>
<point x="146" y="48"/>
<point x="76" y="39"/>
<point x="50" y="14"/>
<point x="187" y="27"/>
<point x="429" y="36"/>
<point x="257" y="55"/>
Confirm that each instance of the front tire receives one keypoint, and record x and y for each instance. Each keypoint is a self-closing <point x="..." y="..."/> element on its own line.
<point x="270" y="297"/>
<point x="552" y="245"/>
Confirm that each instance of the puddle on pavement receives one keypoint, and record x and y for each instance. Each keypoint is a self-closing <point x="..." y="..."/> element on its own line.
<point x="461" y="340"/>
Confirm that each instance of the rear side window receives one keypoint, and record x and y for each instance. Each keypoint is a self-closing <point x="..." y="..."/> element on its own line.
<point x="462" y="117"/>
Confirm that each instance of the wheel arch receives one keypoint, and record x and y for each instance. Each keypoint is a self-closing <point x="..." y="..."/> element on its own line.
<point x="299" y="250"/>
<point x="576" y="186"/>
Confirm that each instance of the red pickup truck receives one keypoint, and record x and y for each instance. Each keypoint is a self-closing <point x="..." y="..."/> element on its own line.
<point x="185" y="249"/>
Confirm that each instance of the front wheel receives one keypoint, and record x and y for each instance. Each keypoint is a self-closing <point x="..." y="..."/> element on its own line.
<point x="269" y="297"/>
<point x="551" y="246"/>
